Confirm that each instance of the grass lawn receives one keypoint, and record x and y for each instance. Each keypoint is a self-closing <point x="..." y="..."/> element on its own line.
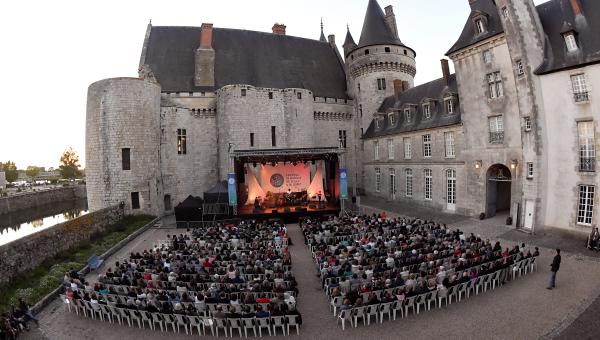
<point x="37" y="283"/>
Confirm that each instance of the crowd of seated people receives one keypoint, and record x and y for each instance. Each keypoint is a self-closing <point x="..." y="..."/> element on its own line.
<point x="368" y="260"/>
<point x="16" y="322"/>
<point x="220" y="271"/>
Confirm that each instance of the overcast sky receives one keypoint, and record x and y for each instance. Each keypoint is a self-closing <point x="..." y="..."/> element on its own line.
<point x="53" y="50"/>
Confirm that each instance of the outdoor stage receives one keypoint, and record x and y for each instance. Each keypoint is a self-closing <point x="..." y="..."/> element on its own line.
<point x="289" y="213"/>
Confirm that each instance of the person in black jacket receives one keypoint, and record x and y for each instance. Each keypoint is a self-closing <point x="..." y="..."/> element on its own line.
<point x="554" y="267"/>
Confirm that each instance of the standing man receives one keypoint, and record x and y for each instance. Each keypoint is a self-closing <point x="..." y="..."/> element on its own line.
<point x="554" y="267"/>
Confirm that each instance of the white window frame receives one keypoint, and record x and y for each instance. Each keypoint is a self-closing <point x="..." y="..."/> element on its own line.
<point x="585" y="205"/>
<point x="408" y="173"/>
<point x="407" y="116"/>
<point x="377" y="180"/>
<point x="495" y="86"/>
<point x="407" y="147"/>
<point x="487" y="56"/>
<point x="427" y="111"/>
<point x="451" y="186"/>
<point x="570" y="42"/>
<point x="529" y="170"/>
<point x="450" y="143"/>
<point x="392" y="119"/>
<point x="579" y="86"/>
<point x="428" y="183"/>
<point x="427" y="146"/>
<point x="390" y="148"/>
<point x="520" y="68"/>
<point x="449" y="105"/>
<point x="392" y="183"/>
<point x="480" y="26"/>
<point x="376" y="150"/>
<point x="496" y="126"/>
<point x="527" y="123"/>
<point x="587" y="146"/>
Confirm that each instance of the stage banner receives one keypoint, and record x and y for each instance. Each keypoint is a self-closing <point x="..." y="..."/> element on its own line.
<point x="343" y="184"/>
<point x="285" y="177"/>
<point x="231" y="189"/>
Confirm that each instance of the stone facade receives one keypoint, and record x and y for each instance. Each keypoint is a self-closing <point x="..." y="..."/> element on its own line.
<point x="28" y="252"/>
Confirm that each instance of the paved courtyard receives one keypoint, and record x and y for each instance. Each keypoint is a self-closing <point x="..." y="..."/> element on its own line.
<point x="522" y="309"/>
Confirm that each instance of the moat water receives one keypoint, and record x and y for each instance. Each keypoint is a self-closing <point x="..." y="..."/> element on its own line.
<point x="19" y="224"/>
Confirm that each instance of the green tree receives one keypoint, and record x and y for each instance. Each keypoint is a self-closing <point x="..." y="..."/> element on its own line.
<point x="69" y="164"/>
<point x="33" y="171"/>
<point x="10" y="170"/>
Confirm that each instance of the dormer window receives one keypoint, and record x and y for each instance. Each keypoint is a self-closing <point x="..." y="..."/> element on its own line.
<point x="377" y="123"/>
<point x="407" y="116"/>
<point x="449" y="105"/>
<point x="392" y="119"/>
<point x="480" y="26"/>
<point x="570" y="41"/>
<point x="427" y="111"/>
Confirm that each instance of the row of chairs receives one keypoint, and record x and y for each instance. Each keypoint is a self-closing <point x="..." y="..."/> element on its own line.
<point x="414" y="303"/>
<point x="189" y="323"/>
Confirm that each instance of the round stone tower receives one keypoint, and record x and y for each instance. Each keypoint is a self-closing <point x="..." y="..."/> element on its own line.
<point x="377" y="63"/>
<point x="122" y="145"/>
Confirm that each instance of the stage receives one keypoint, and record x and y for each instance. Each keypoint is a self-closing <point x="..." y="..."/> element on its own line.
<point x="289" y="214"/>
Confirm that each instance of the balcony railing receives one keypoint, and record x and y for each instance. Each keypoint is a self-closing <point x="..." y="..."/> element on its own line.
<point x="581" y="96"/>
<point x="497" y="137"/>
<point x="587" y="164"/>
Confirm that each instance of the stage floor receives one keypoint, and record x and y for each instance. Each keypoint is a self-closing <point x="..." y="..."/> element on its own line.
<point x="288" y="213"/>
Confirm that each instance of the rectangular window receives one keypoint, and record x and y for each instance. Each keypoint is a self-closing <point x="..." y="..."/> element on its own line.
<point x="251" y="139"/>
<point x="407" y="148"/>
<point x="376" y="146"/>
<point x="580" y="91"/>
<point x="342" y="138"/>
<point x="273" y="136"/>
<point x="449" y="106"/>
<point x="358" y="86"/>
<point x="487" y="56"/>
<point x="299" y="95"/>
<point x="243" y="92"/>
<point x="409" y="182"/>
<point x="495" y="88"/>
<point x="586" y="205"/>
<point x="377" y="179"/>
<point x="270" y="95"/>
<point x="392" y="119"/>
<point x="126" y="158"/>
<point x="529" y="170"/>
<point x="377" y="123"/>
<point x="181" y="142"/>
<point x="381" y="85"/>
<point x="527" y="123"/>
<point x="571" y="42"/>
<point x="407" y="116"/>
<point x="390" y="149"/>
<point x="480" y="26"/>
<point x="393" y="183"/>
<point x="449" y="143"/>
<point x="520" y="68"/>
<point x="360" y="110"/>
<point x="135" y="200"/>
<point x="427" y="146"/>
<point x="428" y="182"/>
<point x="587" y="146"/>
<point x="496" y="130"/>
<point x="426" y="111"/>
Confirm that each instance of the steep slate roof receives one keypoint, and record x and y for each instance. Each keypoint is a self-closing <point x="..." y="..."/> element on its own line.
<point x="246" y="57"/>
<point x="434" y="90"/>
<point x="557" y="17"/>
<point x="469" y="36"/>
<point x="375" y="30"/>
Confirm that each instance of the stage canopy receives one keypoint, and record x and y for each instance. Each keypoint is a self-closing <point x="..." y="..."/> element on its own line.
<point x="189" y="210"/>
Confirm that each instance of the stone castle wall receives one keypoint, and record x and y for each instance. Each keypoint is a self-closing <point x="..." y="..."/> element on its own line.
<point x="32" y="200"/>
<point x="29" y="252"/>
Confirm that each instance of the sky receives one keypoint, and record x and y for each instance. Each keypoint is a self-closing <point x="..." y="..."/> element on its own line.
<point x="53" y="50"/>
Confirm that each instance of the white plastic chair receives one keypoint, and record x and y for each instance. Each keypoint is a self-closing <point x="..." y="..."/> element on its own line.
<point x="182" y="321"/>
<point x="115" y="314"/>
<point x="235" y="323"/>
<point x="432" y="297"/>
<point x="335" y="303"/>
<point x="278" y="321"/>
<point x="421" y="300"/>
<point x="105" y="312"/>
<point x="133" y="314"/>
<point x="345" y="314"/>
<point x="169" y="320"/>
<point x="195" y="322"/>
<point x="359" y="313"/>
<point x="372" y="310"/>
<point x="292" y="320"/>
<point x="496" y="279"/>
<point x="263" y="323"/>
<point x="409" y="303"/>
<point x="157" y="319"/>
<point x="398" y="306"/>
<point x="385" y="308"/>
<point x="220" y="324"/>
<point x="462" y="289"/>
<point x="249" y="323"/>
<point x="452" y="294"/>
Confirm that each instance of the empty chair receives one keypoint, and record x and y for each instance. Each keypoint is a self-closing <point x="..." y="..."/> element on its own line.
<point x="182" y="320"/>
<point x="278" y="321"/>
<point x="207" y="322"/>
<point x="263" y="323"/>
<point x="195" y="322"/>
<point x="135" y="316"/>
<point x="220" y="324"/>
<point x="372" y="310"/>
<point x="248" y="323"/>
<point x="533" y="264"/>
<point x="157" y="319"/>
<point x="478" y="284"/>
<point x="105" y="312"/>
<point x="115" y="314"/>
<point x="345" y="314"/>
<point x="398" y="306"/>
<point x="169" y="319"/>
<point x="359" y="313"/>
<point x="409" y="303"/>
<point x="452" y="294"/>
<point x="420" y="300"/>
<point x="292" y="320"/>
<point x="496" y="279"/>
<point x="462" y="290"/>
<point x="385" y="308"/>
<point x="235" y="323"/>
<point x="335" y="303"/>
<point x="432" y="297"/>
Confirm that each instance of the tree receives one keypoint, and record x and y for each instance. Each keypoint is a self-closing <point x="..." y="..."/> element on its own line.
<point x="10" y="170"/>
<point x="69" y="164"/>
<point x="33" y="171"/>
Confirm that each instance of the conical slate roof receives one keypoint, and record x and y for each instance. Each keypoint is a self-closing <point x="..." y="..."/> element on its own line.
<point x="349" y="40"/>
<point x="375" y="29"/>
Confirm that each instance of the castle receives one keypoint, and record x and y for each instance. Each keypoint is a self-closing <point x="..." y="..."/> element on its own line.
<point x="512" y="130"/>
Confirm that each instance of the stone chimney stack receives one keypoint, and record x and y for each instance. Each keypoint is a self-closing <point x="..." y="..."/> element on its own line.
<point x="205" y="58"/>
<point x="445" y="71"/>
<point x="331" y="39"/>
<point x="279" y="29"/>
<point x="390" y="20"/>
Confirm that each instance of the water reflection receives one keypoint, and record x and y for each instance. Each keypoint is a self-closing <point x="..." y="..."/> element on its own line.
<point x="20" y="224"/>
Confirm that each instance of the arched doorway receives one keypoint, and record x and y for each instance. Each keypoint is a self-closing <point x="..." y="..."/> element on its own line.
<point x="498" y="190"/>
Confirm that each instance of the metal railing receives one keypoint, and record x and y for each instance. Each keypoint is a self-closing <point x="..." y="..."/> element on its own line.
<point x="587" y="164"/>
<point x="497" y="137"/>
<point x="581" y="96"/>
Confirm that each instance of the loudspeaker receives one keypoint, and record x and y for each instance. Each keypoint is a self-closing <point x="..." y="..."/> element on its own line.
<point x="332" y="170"/>
<point x="274" y="211"/>
<point x="241" y="173"/>
<point x="300" y="209"/>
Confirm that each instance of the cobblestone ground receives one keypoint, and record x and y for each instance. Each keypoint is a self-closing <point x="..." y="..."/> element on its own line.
<point x="521" y="309"/>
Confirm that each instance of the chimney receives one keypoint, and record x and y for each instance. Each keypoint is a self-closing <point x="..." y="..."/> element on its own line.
<point x="576" y="5"/>
<point x="279" y="29"/>
<point x="331" y="39"/>
<point x="390" y="20"/>
<point x="398" y="88"/>
<point x="205" y="58"/>
<point x="445" y="71"/>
